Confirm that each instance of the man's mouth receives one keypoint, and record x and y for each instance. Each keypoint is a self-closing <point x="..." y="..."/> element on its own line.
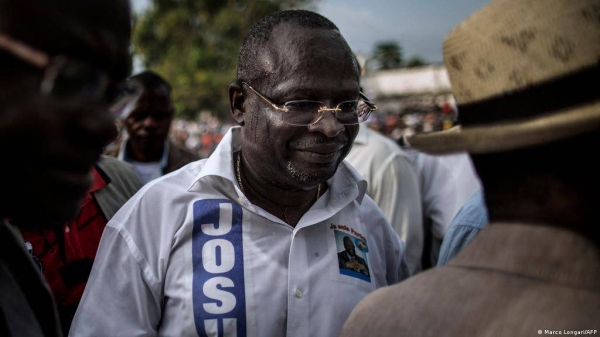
<point x="319" y="152"/>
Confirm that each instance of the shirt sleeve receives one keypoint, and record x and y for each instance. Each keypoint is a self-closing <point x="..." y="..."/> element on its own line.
<point x="122" y="296"/>
<point x="469" y="221"/>
<point x="395" y="189"/>
<point x="397" y="269"/>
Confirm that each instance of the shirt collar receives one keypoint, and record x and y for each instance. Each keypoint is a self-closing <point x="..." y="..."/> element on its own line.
<point x="100" y="179"/>
<point x="220" y="162"/>
<point x="535" y="251"/>
<point x="346" y="180"/>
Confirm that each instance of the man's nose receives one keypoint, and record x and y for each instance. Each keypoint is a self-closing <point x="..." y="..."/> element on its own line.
<point x="149" y="121"/>
<point x="328" y="124"/>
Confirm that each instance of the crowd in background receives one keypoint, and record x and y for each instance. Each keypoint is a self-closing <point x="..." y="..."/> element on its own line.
<point x="413" y="115"/>
<point x="201" y="135"/>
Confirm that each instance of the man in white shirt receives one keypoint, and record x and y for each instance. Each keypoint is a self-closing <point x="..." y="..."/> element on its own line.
<point x="245" y="243"/>
<point x="446" y="182"/>
<point x="394" y="186"/>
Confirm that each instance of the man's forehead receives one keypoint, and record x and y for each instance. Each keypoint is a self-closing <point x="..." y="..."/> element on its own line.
<point x="292" y="33"/>
<point x="292" y="49"/>
<point x="295" y="40"/>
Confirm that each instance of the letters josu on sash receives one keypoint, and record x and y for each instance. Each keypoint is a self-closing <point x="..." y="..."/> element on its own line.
<point x="218" y="280"/>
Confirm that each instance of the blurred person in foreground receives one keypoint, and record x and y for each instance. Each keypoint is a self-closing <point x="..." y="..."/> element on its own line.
<point x="521" y="72"/>
<point x="59" y="65"/>
<point x="147" y="146"/>
<point x="246" y="241"/>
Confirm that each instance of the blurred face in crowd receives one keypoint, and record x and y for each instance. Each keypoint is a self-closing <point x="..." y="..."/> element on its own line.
<point x="53" y="126"/>
<point x="148" y="124"/>
<point x="299" y="63"/>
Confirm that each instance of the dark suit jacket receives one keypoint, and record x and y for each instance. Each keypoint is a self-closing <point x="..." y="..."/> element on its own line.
<point x="26" y="305"/>
<point x="343" y="258"/>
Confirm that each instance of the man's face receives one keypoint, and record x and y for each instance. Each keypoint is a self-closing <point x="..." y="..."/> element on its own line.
<point x="349" y="246"/>
<point x="52" y="140"/>
<point x="299" y="64"/>
<point x="149" y="121"/>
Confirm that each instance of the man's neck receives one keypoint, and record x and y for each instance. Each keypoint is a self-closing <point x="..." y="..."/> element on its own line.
<point x="547" y="202"/>
<point x="286" y="204"/>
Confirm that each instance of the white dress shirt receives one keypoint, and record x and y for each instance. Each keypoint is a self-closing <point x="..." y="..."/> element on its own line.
<point x="190" y="255"/>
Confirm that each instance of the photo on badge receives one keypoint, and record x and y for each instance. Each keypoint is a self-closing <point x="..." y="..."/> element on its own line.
<point x="352" y="256"/>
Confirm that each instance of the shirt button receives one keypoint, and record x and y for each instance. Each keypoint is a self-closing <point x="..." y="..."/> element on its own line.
<point x="298" y="292"/>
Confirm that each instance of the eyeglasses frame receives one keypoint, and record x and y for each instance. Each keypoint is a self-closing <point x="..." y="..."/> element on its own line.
<point x="51" y="66"/>
<point x="321" y="110"/>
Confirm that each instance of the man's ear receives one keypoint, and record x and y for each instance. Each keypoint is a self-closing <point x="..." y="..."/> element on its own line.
<point x="236" y="103"/>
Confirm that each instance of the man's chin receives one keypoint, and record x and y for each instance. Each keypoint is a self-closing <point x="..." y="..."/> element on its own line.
<point x="312" y="174"/>
<point x="148" y="143"/>
<point x="311" y="178"/>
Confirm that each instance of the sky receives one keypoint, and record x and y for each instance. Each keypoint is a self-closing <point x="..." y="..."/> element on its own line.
<point x="419" y="26"/>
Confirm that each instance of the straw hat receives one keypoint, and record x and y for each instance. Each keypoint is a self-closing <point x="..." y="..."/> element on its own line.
<point x="524" y="73"/>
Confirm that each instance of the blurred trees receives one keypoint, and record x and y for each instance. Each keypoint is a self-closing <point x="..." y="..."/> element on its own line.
<point x="388" y="55"/>
<point x="415" y="61"/>
<point x="194" y="44"/>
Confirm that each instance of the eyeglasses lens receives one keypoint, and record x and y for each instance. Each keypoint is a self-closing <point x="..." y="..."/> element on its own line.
<point x="70" y="79"/>
<point x="307" y="112"/>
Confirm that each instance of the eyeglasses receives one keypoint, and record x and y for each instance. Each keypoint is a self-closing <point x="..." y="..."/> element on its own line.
<point x="306" y="112"/>
<point x="68" y="78"/>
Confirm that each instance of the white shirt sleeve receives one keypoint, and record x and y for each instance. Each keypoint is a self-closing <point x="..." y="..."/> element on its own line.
<point x="397" y="267"/>
<point x="122" y="297"/>
<point x="395" y="188"/>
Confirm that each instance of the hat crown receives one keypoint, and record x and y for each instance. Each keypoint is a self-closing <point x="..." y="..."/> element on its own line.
<point x="511" y="45"/>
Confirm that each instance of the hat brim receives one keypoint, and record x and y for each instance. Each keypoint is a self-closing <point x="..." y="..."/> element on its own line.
<point x="514" y="135"/>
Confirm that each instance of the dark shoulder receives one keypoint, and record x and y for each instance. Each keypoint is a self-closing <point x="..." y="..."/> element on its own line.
<point x="184" y="153"/>
<point x="404" y="309"/>
<point x="179" y="157"/>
